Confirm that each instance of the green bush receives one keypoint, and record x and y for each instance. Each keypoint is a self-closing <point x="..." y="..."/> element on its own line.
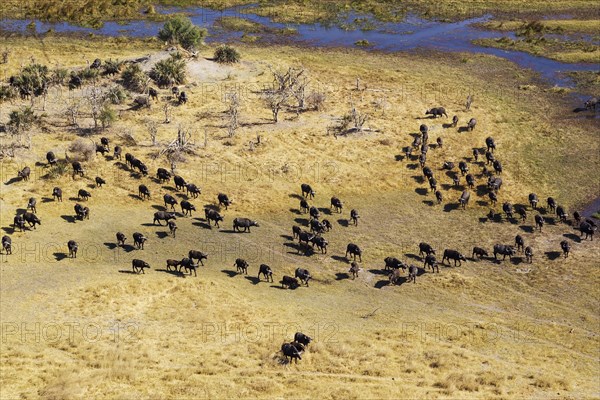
<point x="107" y="116"/>
<point x="170" y="71"/>
<point x="59" y="76"/>
<point x="32" y="79"/>
<point x="134" y="78"/>
<point x="226" y="54"/>
<point x="115" y="95"/>
<point x="21" y="120"/>
<point x="112" y="67"/>
<point x="7" y="92"/>
<point x="180" y="30"/>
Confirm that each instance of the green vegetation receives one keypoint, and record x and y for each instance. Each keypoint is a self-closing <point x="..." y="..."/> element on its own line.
<point x="247" y="26"/>
<point x="181" y="31"/>
<point x="560" y="50"/>
<point x="170" y="71"/>
<point x="363" y="43"/>
<point x="32" y="80"/>
<point x="226" y="54"/>
<point x="133" y="78"/>
<point x="586" y="81"/>
<point x="551" y="25"/>
<point x="21" y="120"/>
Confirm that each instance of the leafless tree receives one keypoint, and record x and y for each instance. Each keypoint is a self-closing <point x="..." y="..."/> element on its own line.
<point x="232" y="113"/>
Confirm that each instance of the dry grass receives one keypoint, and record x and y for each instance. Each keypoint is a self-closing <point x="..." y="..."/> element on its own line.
<point x="483" y="330"/>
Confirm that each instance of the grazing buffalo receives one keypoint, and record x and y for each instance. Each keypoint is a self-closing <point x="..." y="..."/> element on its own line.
<point x="188" y="264"/>
<point x="139" y="265"/>
<point x="413" y="271"/>
<point x="302" y="338"/>
<point x="427" y="172"/>
<point x="304" y="206"/>
<point x="476" y="154"/>
<point x="81" y="212"/>
<point x="470" y="181"/>
<point x="187" y="207"/>
<point x="394" y="276"/>
<point x="565" y="247"/>
<point x="463" y="167"/>
<point x="241" y="266"/>
<point x="422" y="159"/>
<point x="529" y="254"/>
<point x="73" y="246"/>
<point x="170" y="200"/>
<point x="354" y="216"/>
<point x="320" y="242"/>
<point x="354" y="269"/>
<point x="99" y="181"/>
<point x="471" y="124"/>
<point x="425" y="249"/>
<point x="243" y="223"/>
<point x="100" y="148"/>
<point x="19" y="222"/>
<point x="265" y="271"/>
<point x="129" y="159"/>
<point x="83" y="194"/>
<point x="392" y="263"/>
<point x="7" y="244"/>
<point x="117" y="152"/>
<point x="104" y="141"/>
<point x="193" y="190"/>
<point x="212" y="215"/>
<point x="57" y="194"/>
<point x="336" y="204"/>
<point x="121" y="239"/>
<point x="314" y="213"/>
<point x="31" y="219"/>
<point x="494" y="183"/>
<point x="303" y="275"/>
<point x="307" y="190"/>
<point x="431" y="262"/>
<point x="179" y="182"/>
<point x="533" y="200"/>
<point x="224" y="200"/>
<point x="163" y="175"/>
<point x="490" y="144"/>
<point x="539" y="221"/>
<point x="562" y="214"/>
<point x="449" y="165"/>
<point x="182" y="99"/>
<point x="172" y="264"/>
<point x="439" y="197"/>
<point x="143" y="192"/>
<point x="454" y="121"/>
<point x="139" y="240"/>
<point x="290" y="351"/>
<point x="354" y="250"/>
<point x="437" y="111"/>
<point x="519" y="242"/>
<point x="551" y="204"/>
<point x="51" y="158"/>
<point x="479" y="253"/>
<point x="440" y="142"/>
<point x="305" y="238"/>
<point x="77" y="169"/>
<point x="497" y="166"/>
<point x="288" y="281"/>
<point x="153" y="93"/>
<point x="141" y="167"/>
<point x="508" y="210"/>
<point x="326" y="225"/>
<point x="432" y="184"/>
<point x="31" y="205"/>
<point x="577" y="217"/>
<point x="464" y="199"/>
<point x="198" y="255"/>
<point x="172" y="227"/>
<point x="24" y="173"/>
<point x="504" y="250"/>
<point x="163" y="216"/>
<point x="453" y="255"/>
<point x="588" y="229"/>
<point x="455" y="180"/>
<point x="522" y="213"/>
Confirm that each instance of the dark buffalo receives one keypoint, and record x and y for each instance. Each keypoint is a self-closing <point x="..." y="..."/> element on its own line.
<point x="244" y="223"/>
<point x="437" y="112"/>
<point x="413" y="271"/>
<point x="490" y="144"/>
<point x="83" y="194"/>
<point x="427" y="172"/>
<point x="432" y="184"/>
<point x="508" y="210"/>
<point x="470" y="181"/>
<point x="99" y="181"/>
<point x="463" y="167"/>
<point x="497" y="166"/>
<point x="533" y="200"/>
<point x="163" y="175"/>
<point x="153" y="93"/>
<point x="73" y="246"/>
<point x="31" y="219"/>
<point x="129" y="159"/>
<point x="241" y="265"/>
<point x="302" y="338"/>
<point x="539" y="221"/>
<point x="290" y="351"/>
<point x="170" y="201"/>
<point x="121" y="239"/>
<point x="453" y="255"/>
<point x="288" y="281"/>
<point x="303" y="275"/>
<point x="143" y="192"/>
<point x="198" y="255"/>
<point x="7" y="244"/>
<point x="31" y="205"/>
<point x="529" y="254"/>
<point x="51" y="158"/>
<point x="224" y="200"/>
<point x="522" y="213"/>
<point x="336" y="204"/>
<point x="464" y="199"/>
<point x="266" y="271"/>
<point x="354" y="250"/>
<point x="504" y="250"/>
<point x="431" y="262"/>
<point x="320" y="242"/>
<point x="476" y="154"/>
<point x="519" y="242"/>
<point x="326" y="225"/>
<point x="423" y="128"/>
<point x="577" y="217"/>
<point x="551" y="204"/>
<point x="141" y="167"/>
<point x="193" y="190"/>
<point x="81" y="212"/>
<point x="565" y="247"/>
<point x="296" y="230"/>
<point x="304" y="206"/>
<point x="57" y="193"/>
<point x="422" y="159"/>
<point x="182" y="99"/>
<point x="439" y="197"/>
<point x="187" y="207"/>
<point x="19" y="222"/>
<point x="307" y="190"/>
<point x="392" y="263"/>
<point x="172" y="227"/>
<point x="425" y="249"/>
<point x="416" y="142"/>
<point x="454" y="121"/>
<point x="562" y="213"/>
<point x="138" y="266"/>
<point x="354" y="269"/>
<point x="188" y="264"/>
<point x="394" y="276"/>
<point x="172" y="264"/>
<point x="588" y="229"/>
<point x="489" y="157"/>
<point x="354" y="216"/>
<point x="494" y="183"/>
<point x="212" y="215"/>
<point x="314" y="213"/>
<point x="100" y="148"/>
<point x="456" y="181"/>
<point x="117" y="152"/>
<point x="24" y="173"/>
<point x="163" y="216"/>
<point x="471" y="124"/>
<point x="179" y="182"/>
<point x="479" y="253"/>
<point x="440" y="142"/>
<point x="448" y="165"/>
<point x="139" y="240"/>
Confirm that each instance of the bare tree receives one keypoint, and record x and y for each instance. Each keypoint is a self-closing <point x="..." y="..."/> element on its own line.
<point x="291" y="83"/>
<point x="152" y="130"/>
<point x="232" y="113"/>
<point x="167" y="111"/>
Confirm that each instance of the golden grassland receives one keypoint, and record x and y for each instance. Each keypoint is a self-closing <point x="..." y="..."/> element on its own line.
<point x="482" y="330"/>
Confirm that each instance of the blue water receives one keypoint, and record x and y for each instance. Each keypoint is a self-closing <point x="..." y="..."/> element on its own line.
<point x="412" y="33"/>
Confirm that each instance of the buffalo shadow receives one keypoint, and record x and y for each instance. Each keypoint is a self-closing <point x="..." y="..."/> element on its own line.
<point x="111" y="245"/>
<point x="179" y="274"/>
<point x="253" y="279"/>
<point x="382" y="271"/>
<point x="135" y="196"/>
<point x="47" y="199"/>
<point x="527" y="228"/>
<point x="451" y="207"/>
<point x="162" y="234"/>
<point x="573" y="237"/>
<point x="339" y="276"/>
<point x="295" y="196"/>
<point x="296" y="211"/>
<point x="419" y="178"/>
<point x="325" y="210"/>
<point x="422" y="191"/>
<point x="230" y="273"/>
<point x="462" y="129"/>
<point x="301" y="221"/>
<point x="382" y="283"/>
<point x="341" y="259"/>
<point x="60" y="255"/>
<point x="553" y="255"/>
<point x="127" y="271"/>
<point x="202" y="224"/>
<point x="413" y="166"/>
<point x="287" y="237"/>
<point x="68" y="218"/>
<point x="343" y="222"/>
<point x="13" y="180"/>
<point x="430" y="203"/>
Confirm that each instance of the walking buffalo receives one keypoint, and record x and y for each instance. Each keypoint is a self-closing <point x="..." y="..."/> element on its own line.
<point x="314" y="213"/>
<point x="51" y="158"/>
<point x="170" y="200"/>
<point x="439" y="197"/>
<point x="326" y="225"/>
<point x="508" y="210"/>
<point x="77" y="169"/>
<point x="413" y="271"/>
<point x="437" y="111"/>
<point x="212" y="215"/>
<point x="117" y="152"/>
<point x="392" y="263"/>
<point x="588" y="229"/>
<point x="432" y="184"/>
<point x="99" y="181"/>
<point x="290" y="351"/>
<point x="479" y="252"/>
<point x="470" y="181"/>
<point x="121" y="239"/>
<point x="539" y="221"/>
<point x="163" y="175"/>
<point x="471" y="124"/>
<point x="551" y="204"/>
<point x="172" y="227"/>
<point x="139" y="240"/>
<point x="31" y="219"/>
<point x="288" y="281"/>
<point x="139" y="265"/>
<point x="188" y="264"/>
<point x="163" y="216"/>
<point x="244" y="223"/>
<point x="241" y="266"/>
<point x="354" y="216"/>
<point x="179" y="182"/>
<point x="265" y="271"/>
<point x="24" y="173"/>
<point x="425" y="249"/>
<point x="303" y="275"/>
<point x="193" y="190"/>
<point x="504" y="250"/>
<point x="320" y="242"/>
<point x="198" y="255"/>
<point x="562" y="214"/>
<point x="354" y="269"/>
<point x="73" y="246"/>
<point x="304" y="206"/>
<point x="529" y="254"/>
<point x="453" y="255"/>
<point x="172" y="264"/>
<point x="57" y="194"/>
<point x="83" y="194"/>
<point x="307" y="190"/>
<point x="354" y="250"/>
<point x="143" y="192"/>
<point x="463" y="167"/>
<point x="31" y="205"/>
<point x="19" y="222"/>
<point x="464" y="199"/>
<point x="565" y="247"/>
<point x="454" y="121"/>
<point x="519" y="242"/>
<point x="7" y="244"/>
<point x="336" y="204"/>
<point x="533" y="200"/>
<point x="302" y="338"/>
<point x="497" y="166"/>
<point x="522" y="213"/>
<point x="187" y="207"/>
<point x="394" y="276"/>
<point x="431" y="262"/>
<point x="81" y="212"/>
<point x="490" y="144"/>
<point x="224" y="200"/>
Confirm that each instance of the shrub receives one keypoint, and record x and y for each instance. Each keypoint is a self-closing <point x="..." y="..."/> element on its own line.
<point x="21" y="120"/>
<point x="59" y="76"/>
<point x="316" y="100"/>
<point x="32" y="79"/>
<point x="107" y="116"/>
<point x="83" y="149"/>
<point x="180" y="30"/>
<point x="170" y="71"/>
<point x="226" y="54"/>
<point x="115" y="95"/>
<point x="134" y="78"/>
<point x="6" y="92"/>
<point x="112" y="67"/>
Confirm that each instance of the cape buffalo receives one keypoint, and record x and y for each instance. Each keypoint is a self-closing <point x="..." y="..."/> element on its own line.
<point x="224" y="200"/>
<point x="99" y="181"/>
<point x="121" y="239"/>
<point x="172" y="227"/>
<point x="503" y="250"/>
<point x="188" y="264"/>
<point x="394" y="276"/>
<point x="139" y="240"/>
<point x="7" y="244"/>
<point x="302" y="338"/>
<point x="288" y="281"/>
<point x="320" y="242"/>
<point x="464" y="199"/>
<point x="212" y="215"/>
<point x="454" y="121"/>
<point x="179" y="182"/>
<point x="57" y="194"/>
<point x="24" y="173"/>
<point x="438" y="111"/>
<point x="539" y="221"/>
<point x="31" y="219"/>
<point x="290" y="351"/>
<point x="143" y="192"/>
<point x="354" y="269"/>
<point x="316" y="226"/>
<point x="425" y="249"/>
<point x="533" y="200"/>
<point x="588" y="229"/>
<point x="170" y="200"/>
<point x="51" y="158"/>
<point x="139" y="265"/>
<point x="463" y="167"/>
<point x="453" y="255"/>
<point x="508" y="210"/>
<point x="266" y="271"/>
<point x="172" y="264"/>
<point x="243" y="223"/>
<point x="476" y="154"/>
<point x="471" y="124"/>
<point x="440" y="142"/>
<point x="304" y="206"/>
<point x="83" y="194"/>
<point x="354" y="216"/>
<point x="470" y="181"/>
<point x="413" y="271"/>
<point x="19" y="222"/>
<point x="336" y="204"/>
<point x="163" y="175"/>
<point x="198" y="255"/>
<point x="193" y="190"/>
<point x="439" y="197"/>
<point x="431" y="261"/>
<point x="303" y="275"/>
<point x="392" y="263"/>
<point x="117" y="152"/>
<point x="566" y="248"/>
<point x="562" y="214"/>
<point x="307" y="190"/>
<point x="551" y="204"/>
<point x="490" y="144"/>
<point x="479" y="252"/>
<point x="241" y="265"/>
<point x="354" y="250"/>
<point x="522" y="213"/>
<point x="31" y="205"/>
<point x="519" y="242"/>
<point x="497" y="166"/>
<point x="432" y="184"/>
<point x="314" y="212"/>
<point x="296" y="230"/>
<point x="448" y="165"/>
<point x="326" y="225"/>
<point x="73" y="246"/>
<point x="187" y="207"/>
<point x="529" y="254"/>
<point x="163" y="216"/>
